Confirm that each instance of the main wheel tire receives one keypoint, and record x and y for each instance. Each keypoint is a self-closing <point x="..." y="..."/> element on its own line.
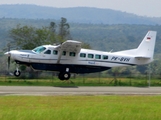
<point x="17" y="73"/>
<point x="64" y="75"/>
<point x="60" y="76"/>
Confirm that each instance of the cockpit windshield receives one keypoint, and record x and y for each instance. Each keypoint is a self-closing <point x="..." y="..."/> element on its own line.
<point x="39" y="49"/>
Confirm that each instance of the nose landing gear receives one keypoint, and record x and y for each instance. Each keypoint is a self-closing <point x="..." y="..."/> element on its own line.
<point x="17" y="73"/>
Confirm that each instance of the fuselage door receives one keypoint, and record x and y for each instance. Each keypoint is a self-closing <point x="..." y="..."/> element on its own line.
<point x="45" y="57"/>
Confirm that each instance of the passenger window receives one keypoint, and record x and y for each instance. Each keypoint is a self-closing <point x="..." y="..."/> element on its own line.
<point x="82" y="55"/>
<point x="72" y="54"/>
<point x="90" y="55"/>
<point x="105" y="57"/>
<point x="97" y="56"/>
<point x="64" y="53"/>
<point x="55" y="52"/>
<point x="47" y="52"/>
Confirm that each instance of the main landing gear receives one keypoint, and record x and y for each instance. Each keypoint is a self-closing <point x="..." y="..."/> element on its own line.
<point x="64" y="75"/>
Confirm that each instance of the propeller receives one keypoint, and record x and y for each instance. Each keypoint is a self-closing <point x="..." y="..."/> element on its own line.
<point x="9" y="58"/>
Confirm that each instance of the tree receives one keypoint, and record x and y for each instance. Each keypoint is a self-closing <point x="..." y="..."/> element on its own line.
<point x="116" y="72"/>
<point x="155" y="67"/>
<point x="64" y="27"/>
<point x="28" y="37"/>
<point x="52" y="27"/>
<point x="142" y="68"/>
<point x="25" y="37"/>
<point x="86" y="46"/>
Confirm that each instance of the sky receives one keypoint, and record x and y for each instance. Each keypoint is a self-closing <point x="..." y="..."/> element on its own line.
<point x="149" y="8"/>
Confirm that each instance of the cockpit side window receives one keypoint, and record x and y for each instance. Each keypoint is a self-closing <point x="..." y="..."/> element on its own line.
<point x="39" y="49"/>
<point x="47" y="52"/>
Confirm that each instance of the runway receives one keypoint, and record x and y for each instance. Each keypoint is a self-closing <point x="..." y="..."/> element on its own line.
<point x="45" y="91"/>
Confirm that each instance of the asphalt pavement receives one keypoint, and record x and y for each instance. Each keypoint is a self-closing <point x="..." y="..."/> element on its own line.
<point x="45" y="91"/>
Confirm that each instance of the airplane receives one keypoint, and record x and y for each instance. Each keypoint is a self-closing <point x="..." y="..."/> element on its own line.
<point x="69" y="57"/>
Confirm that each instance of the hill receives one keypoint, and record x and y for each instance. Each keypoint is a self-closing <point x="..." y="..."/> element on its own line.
<point x="76" y="14"/>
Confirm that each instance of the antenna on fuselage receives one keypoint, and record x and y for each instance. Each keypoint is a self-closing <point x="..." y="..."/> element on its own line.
<point x="111" y="50"/>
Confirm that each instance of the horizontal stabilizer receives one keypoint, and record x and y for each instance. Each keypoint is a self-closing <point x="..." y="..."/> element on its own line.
<point x="145" y="57"/>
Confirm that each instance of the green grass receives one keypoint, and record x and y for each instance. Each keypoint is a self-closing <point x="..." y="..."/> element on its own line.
<point x="80" y="107"/>
<point x="12" y="81"/>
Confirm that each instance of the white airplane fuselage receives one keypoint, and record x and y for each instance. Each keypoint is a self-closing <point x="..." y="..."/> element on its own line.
<point x="92" y="58"/>
<point x="69" y="57"/>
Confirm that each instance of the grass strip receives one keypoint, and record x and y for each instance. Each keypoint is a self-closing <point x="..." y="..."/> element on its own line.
<point x="80" y="107"/>
<point x="9" y="81"/>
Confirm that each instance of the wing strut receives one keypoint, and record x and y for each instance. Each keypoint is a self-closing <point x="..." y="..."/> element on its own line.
<point x="59" y="56"/>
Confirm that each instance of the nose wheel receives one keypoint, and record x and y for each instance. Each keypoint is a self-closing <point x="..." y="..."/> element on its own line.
<point x="17" y="72"/>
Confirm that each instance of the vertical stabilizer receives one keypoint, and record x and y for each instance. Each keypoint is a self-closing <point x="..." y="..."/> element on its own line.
<point x="146" y="47"/>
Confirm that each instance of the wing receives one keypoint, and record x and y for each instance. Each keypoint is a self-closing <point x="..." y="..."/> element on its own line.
<point x="68" y="46"/>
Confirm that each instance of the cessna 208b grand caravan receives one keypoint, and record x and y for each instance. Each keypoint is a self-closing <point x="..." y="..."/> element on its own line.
<point x="69" y="57"/>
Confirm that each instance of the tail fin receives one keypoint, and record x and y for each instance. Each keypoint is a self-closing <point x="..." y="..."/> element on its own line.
<point x="146" y="47"/>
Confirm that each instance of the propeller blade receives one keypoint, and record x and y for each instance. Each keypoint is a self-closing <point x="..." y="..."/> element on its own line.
<point x="9" y="59"/>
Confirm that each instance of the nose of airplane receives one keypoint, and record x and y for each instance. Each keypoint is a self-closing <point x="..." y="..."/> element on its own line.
<point x="8" y="53"/>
